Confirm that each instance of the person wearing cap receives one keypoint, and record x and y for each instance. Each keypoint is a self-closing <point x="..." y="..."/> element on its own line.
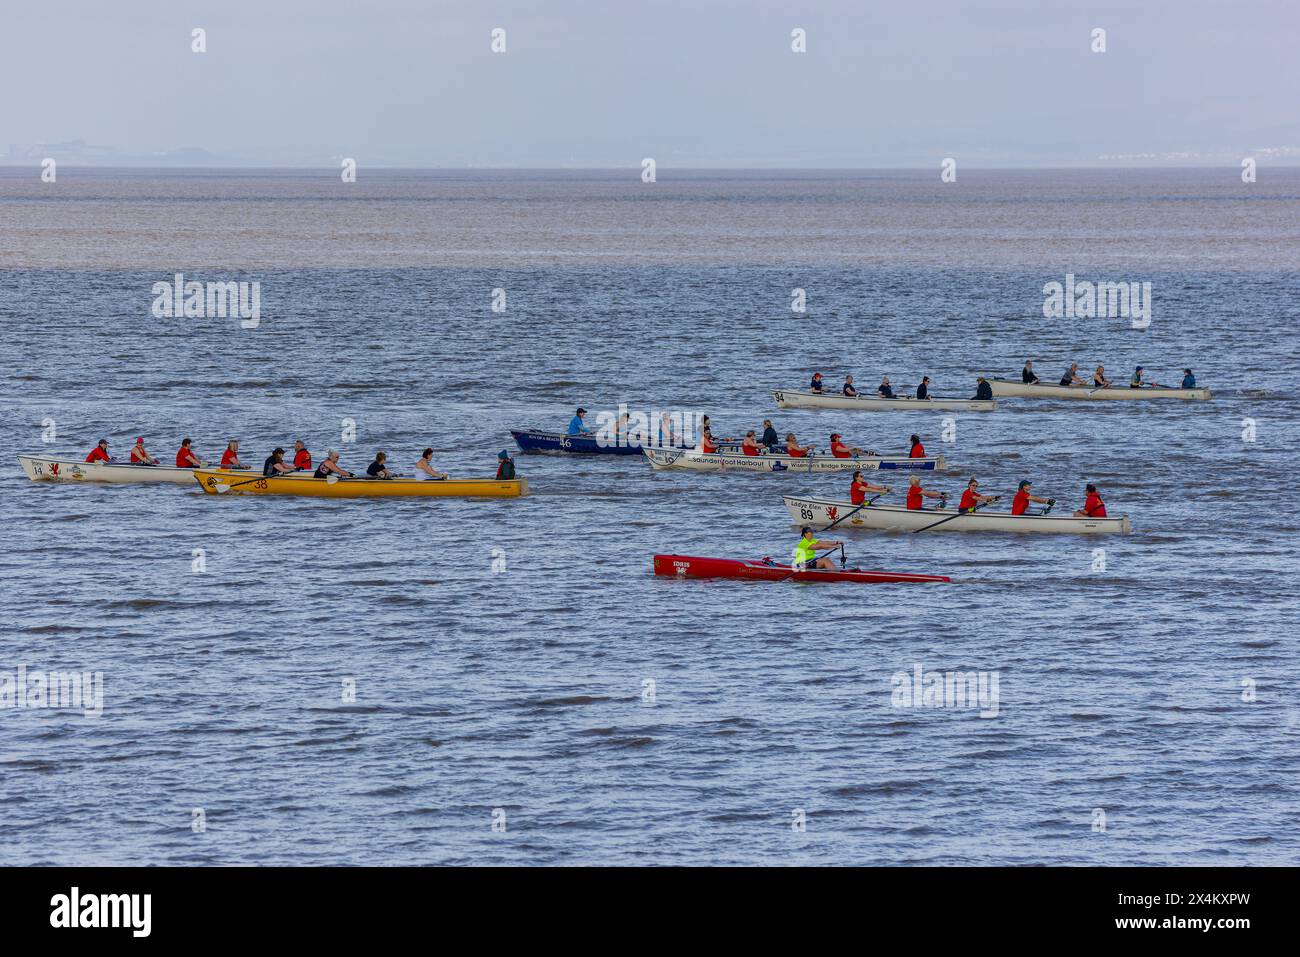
<point x="923" y="390"/>
<point x="576" y="425"/>
<point x="185" y="457"/>
<point x="230" y="457"/>
<point x="840" y="450"/>
<point x="816" y="384"/>
<point x="328" y="466"/>
<point x="848" y="389"/>
<point x="301" y="457"/>
<point x="885" y="391"/>
<point x="1093" y="506"/>
<point x="100" y="452"/>
<point x="275" y="464"/>
<point x="140" y="455"/>
<point x="424" y="470"/>
<point x="918" y="450"/>
<point x="1027" y="373"/>
<point x="915" y="494"/>
<point x="1136" y="382"/>
<point x="861" y="488"/>
<point x="982" y="388"/>
<point x="1020" y="503"/>
<point x="805" y="551"/>
<point x="505" y="466"/>
<point x="1189" y="380"/>
<point x="971" y="499"/>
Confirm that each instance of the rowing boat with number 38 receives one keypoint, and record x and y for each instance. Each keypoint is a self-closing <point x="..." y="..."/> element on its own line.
<point x="821" y="513"/>
<point x="665" y="458"/>
<point x="49" y="468"/>
<point x="793" y="399"/>
<point x="1046" y="390"/>
<point x="764" y="569"/>
<point x="221" y="483"/>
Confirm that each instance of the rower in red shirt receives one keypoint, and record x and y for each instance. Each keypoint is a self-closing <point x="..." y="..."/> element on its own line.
<point x="100" y="452"/>
<point x="750" y="445"/>
<point x="971" y="499"/>
<point x="1020" y="504"/>
<point x="915" y="494"/>
<point x="792" y="447"/>
<point x="918" y="450"/>
<point x="140" y="455"/>
<point x="230" y="457"/>
<point x="840" y="450"/>
<point x="707" y="444"/>
<point x="860" y="488"/>
<point x="185" y="457"/>
<point x="301" y="457"/>
<point x="1093" y="506"/>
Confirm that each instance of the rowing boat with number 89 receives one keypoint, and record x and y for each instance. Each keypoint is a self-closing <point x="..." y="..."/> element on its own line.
<point x="221" y="483"/>
<point x="665" y="458"/>
<point x="1046" y="390"/>
<point x="792" y="399"/>
<point x="48" y="468"/>
<point x="690" y="566"/>
<point x="821" y="513"/>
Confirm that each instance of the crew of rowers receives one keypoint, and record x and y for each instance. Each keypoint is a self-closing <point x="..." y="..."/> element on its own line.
<point x="275" y="463"/>
<point x="753" y="444"/>
<point x="971" y="499"/>
<point x="983" y="390"/>
<point x="1099" y="378"/>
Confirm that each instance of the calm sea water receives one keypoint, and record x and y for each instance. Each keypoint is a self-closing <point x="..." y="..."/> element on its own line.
<point x="502" y="652"/>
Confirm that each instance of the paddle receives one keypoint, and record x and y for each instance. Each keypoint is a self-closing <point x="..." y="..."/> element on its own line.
<point x="854" y="512"/>
<point x="958" y="515"/>
<point x="222" y="488"/>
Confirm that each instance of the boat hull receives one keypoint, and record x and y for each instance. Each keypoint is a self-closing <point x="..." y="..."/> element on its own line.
<point x="662" y="458"/>
<point x="820" y="513"/>
<point x="220" y="483"/>
<point x="1120" y="393"/>
<point x="534" y="442"/>
<point x="791" y="399"/>
<point x="690" y="566"/>
<point x="47" y="468"/>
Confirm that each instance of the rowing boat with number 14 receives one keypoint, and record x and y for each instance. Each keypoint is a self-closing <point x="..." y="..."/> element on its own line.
<point x="793" y="399"/>
<point x="820" y="513"/>
<point x="690" y="566"/>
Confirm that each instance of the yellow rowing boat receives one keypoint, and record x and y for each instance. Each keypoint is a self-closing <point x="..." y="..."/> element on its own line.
<point x="220" y="483"/>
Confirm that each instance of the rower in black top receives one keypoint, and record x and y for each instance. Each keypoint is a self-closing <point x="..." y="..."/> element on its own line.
<point x="885" y="391"/>
<point x="770" y="438"/>
<point x="1027" y="373"/>
<point x="377" y="469"/>
<point x="983" y="390"/>
<point x="848" y="387"/>
<point x="274" y="464"/>
<point x="923" y="390"/>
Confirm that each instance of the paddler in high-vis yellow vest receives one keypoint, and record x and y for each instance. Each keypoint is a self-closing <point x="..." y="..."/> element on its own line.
<point x="805" y="552"/>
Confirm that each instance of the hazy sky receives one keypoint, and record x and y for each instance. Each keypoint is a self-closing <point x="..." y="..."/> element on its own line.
<point x="688" y="82"/>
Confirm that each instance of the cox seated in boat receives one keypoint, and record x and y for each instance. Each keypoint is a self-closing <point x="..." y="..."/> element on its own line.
<point x="230" y="457"/>
<point x="1020" y="502"/>
<point x="918" y="450"/>
<point x="505" y="466"/>
<point x="140" y="455"/>
<point x="576" y="424"/>
<point x="301" y="457"/>
<point x="861" y="488"/>
<point x="186" y="457"/>
<point x="424" y="470"/>
<point x="1027" y="373"/>
<point x="1093" y="506"/>
<point x="816" y="384"/>
<point x="885" y="391"/>
<point x="840" y="450"/>
<point x="750" y="445"/>
<point x="276" y="465"/>
<point x="1099" y="380"/>
<point x="971" y="499"/>
<point x="916" y="494"/>
<point x="793" y="448"/>
<point x="805" y="551"/>
<point x="330" y="466"/>
<point x="378" y="469"/>
<point x="983" y="390"/>
<point x="100" y="452"/>
<point x="1189" y="380"/>
<point x="770" y="439"/>
<point x="1071" y="376"/>
<point x="923" y="390"/>
<point x="848" y="389"/>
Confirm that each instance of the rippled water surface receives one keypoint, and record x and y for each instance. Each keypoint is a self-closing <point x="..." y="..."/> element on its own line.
<point x="1159" y="690"/>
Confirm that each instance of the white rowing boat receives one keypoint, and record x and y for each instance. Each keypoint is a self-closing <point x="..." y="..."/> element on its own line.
<point x="666" y="458"/>
<point x="1047" y="390"/>
<point x="50" y="468"/>
<point x="790" y="399"/>
<point x="820" y="513"/>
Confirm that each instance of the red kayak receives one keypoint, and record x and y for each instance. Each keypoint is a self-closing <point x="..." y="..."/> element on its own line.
<point x="689" y="566"/>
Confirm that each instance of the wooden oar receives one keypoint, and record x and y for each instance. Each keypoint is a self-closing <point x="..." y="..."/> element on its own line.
<point x="854" y="512"/>
<point x="958" y="514"/>
<point x="222" y="488"/>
